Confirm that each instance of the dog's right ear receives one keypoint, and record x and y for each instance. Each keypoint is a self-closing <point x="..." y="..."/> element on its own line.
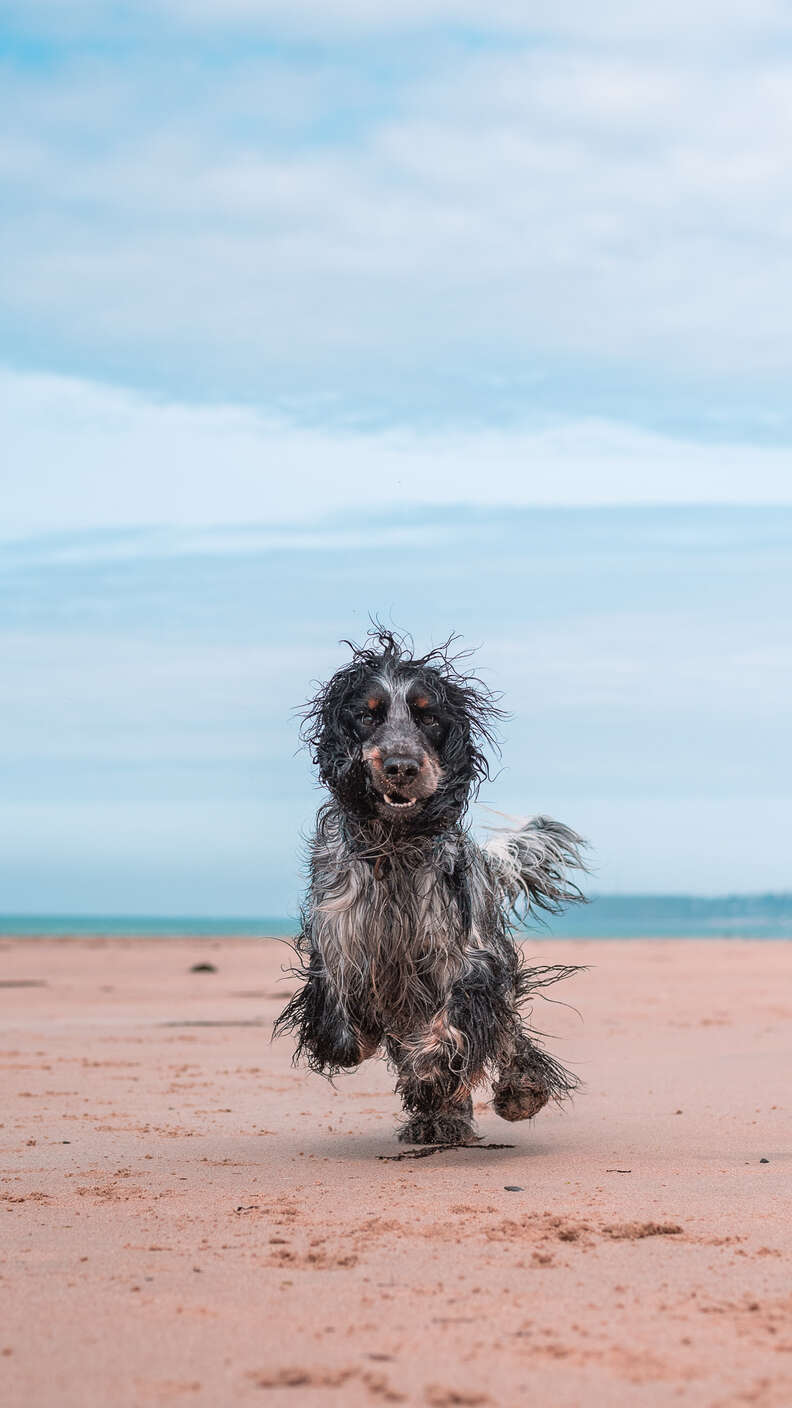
<point x="326" y="728"/>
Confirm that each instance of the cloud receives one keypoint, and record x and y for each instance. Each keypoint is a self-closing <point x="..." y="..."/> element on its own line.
<point x="573" y="18"/>
<point x="78" y="455"/>
<point x="451" y="230"/>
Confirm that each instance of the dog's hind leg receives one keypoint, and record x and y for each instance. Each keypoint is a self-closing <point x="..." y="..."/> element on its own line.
<point x="327" y="1035"/>
<point x="528" y="1080"/>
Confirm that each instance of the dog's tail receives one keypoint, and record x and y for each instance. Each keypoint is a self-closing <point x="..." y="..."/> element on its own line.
<point x="532" y="859"/>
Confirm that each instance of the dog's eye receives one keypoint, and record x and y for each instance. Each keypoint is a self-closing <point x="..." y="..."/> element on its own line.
<point x="366" y="717"/>
<point x="430" y="720"/>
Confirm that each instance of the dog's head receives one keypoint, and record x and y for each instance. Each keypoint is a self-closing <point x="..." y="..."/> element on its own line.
<point x="400" y="737"/>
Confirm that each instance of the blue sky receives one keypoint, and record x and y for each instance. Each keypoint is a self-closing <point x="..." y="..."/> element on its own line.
<point x="311" y="311"/>
<point x="147" y="748"/>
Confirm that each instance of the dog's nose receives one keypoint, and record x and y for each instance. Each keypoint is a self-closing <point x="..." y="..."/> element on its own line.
<point x="400" y="769"/>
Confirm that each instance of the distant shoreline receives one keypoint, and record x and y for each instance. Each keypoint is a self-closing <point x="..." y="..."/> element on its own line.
<point x="606" y="916"/>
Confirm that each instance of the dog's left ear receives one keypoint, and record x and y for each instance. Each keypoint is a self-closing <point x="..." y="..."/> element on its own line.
<point x="473" y="714"/>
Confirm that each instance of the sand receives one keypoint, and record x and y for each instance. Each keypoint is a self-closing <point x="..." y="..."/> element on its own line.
<point x="185" y="1219"/>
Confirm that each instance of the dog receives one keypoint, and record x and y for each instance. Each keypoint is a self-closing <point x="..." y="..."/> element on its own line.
<point x="406" y="941"/>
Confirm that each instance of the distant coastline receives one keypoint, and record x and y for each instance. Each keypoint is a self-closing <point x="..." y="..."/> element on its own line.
<point x="606" y="916"/>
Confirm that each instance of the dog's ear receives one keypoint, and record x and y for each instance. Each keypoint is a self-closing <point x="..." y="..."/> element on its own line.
<point x="473" y="713"/>
<point x="326" y="727"/>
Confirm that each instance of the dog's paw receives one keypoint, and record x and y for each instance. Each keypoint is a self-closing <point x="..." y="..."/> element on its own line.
<point x="519" y="1097"/>
<point x="340" y="1049"/>
<point x="438" y="1129"/>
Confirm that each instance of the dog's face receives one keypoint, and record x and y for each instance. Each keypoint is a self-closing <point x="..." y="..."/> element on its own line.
<point x="402" y="726"/>
<point x="395" y="738"/>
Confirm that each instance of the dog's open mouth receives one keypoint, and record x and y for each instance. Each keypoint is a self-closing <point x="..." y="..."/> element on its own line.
<point x="393" y="799"/>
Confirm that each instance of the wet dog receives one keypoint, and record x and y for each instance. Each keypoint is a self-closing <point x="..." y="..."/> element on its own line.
<point x="407" y="939"/>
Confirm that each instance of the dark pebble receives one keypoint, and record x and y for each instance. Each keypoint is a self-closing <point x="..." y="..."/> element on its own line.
<point x="764" y="1161"/>
<point x="512" y="1188"/>
<point x="203" y="968"/>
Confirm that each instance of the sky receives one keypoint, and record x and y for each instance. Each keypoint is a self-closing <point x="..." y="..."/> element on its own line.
<point x="313" y="311"/>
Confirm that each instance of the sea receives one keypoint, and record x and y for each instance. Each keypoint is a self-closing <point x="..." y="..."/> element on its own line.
<point x="604" y="917"/>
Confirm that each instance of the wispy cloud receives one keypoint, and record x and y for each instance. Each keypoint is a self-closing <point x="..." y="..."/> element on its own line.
<point x="79" y="455"/>
<point x="586" y="210"/>
<point x="612" y="18"/>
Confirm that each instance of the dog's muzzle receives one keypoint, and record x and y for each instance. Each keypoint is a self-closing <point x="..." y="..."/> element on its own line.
<point x="401" y="772"/>
<point x="402" y="779"/>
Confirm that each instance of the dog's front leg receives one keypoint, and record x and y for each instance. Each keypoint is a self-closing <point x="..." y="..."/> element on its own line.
<point x="438" y="1111"/>
<point x="435" y="1083"/>
<point x="327" y="1034"/>
<point x="439" y="1067"/>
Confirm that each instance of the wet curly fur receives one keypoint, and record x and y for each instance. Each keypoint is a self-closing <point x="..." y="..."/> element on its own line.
<point x="407" y="943"/>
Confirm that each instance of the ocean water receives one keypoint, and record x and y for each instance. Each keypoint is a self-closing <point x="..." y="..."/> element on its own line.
<point x="154" y="926"/>
<point x="606" y="916"/>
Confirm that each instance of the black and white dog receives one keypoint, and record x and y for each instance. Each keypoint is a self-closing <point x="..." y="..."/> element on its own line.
<point x="406" y="940"/>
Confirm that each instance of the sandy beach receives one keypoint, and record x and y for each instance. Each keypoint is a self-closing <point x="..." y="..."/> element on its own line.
<point x="188" y="1219"/>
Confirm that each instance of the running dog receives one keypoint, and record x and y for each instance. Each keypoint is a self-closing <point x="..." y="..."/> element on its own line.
<point x="407" y="940"/>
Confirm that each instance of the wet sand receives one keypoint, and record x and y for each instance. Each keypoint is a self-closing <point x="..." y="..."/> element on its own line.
<point x="185" y="1219"/>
